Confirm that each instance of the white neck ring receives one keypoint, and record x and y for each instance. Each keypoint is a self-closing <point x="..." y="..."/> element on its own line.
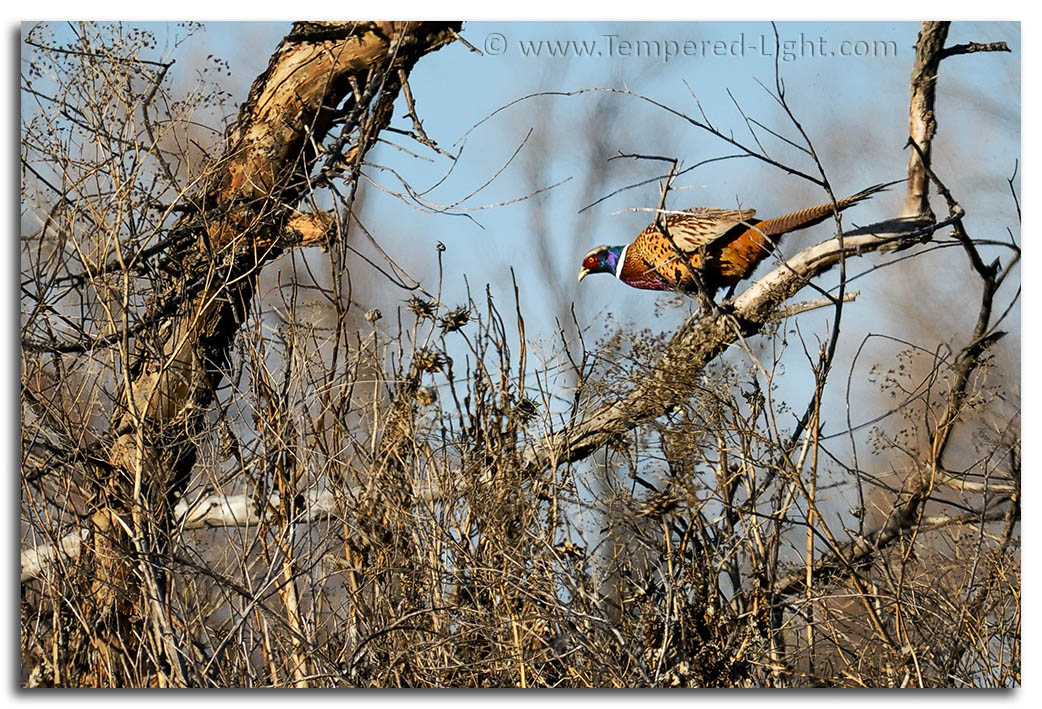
<point x="622" y="260"/>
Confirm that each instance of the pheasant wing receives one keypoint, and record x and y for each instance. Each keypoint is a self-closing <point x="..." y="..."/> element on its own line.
<point x="697" y="228"/>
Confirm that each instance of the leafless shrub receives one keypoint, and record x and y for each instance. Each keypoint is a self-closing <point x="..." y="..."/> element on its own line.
<point x="238" y="471"/>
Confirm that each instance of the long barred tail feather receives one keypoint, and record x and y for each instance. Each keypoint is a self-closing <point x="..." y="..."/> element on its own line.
<point x="815" y="215"/>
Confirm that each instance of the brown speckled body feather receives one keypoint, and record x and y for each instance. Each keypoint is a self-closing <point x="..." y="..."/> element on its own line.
<point x="732" y="242"/>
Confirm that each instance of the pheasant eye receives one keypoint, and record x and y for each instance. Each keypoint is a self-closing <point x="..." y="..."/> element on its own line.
<point x="591" y="261"/>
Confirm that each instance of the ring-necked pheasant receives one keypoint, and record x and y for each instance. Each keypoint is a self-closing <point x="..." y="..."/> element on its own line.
<point x="732" y="243"/>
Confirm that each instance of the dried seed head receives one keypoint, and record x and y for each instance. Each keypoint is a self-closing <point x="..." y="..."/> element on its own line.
<point x="525" y="409"/>
<point x="659" y="505"/>
<point x="428" y="360"/>
<point x="571" y="551"/>
<point x="421" y="307"/>
<point x="455" y="319"/>
<point x="373" y="315"/>
<point x="228" y="444"/>
<point x="425" y="396"/>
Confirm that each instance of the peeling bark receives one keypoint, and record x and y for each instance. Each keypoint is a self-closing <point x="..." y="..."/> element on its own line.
<point x="244" y="218"/>
<point x="922" y="123"/>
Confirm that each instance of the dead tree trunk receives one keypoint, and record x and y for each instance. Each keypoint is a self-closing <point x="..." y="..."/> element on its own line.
<point x="320" y="76"/>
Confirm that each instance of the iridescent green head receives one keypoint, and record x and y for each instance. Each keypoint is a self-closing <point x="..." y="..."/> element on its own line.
<point x="601" y="259"/>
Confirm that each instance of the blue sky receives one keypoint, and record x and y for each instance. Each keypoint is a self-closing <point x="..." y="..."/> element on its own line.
<point x="854" y="108"/>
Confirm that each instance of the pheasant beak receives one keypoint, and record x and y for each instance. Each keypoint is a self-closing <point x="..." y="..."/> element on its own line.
<point x="583" y="274"/>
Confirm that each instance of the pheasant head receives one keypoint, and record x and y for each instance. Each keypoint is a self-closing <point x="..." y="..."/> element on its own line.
<point x="601" y="259"/>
